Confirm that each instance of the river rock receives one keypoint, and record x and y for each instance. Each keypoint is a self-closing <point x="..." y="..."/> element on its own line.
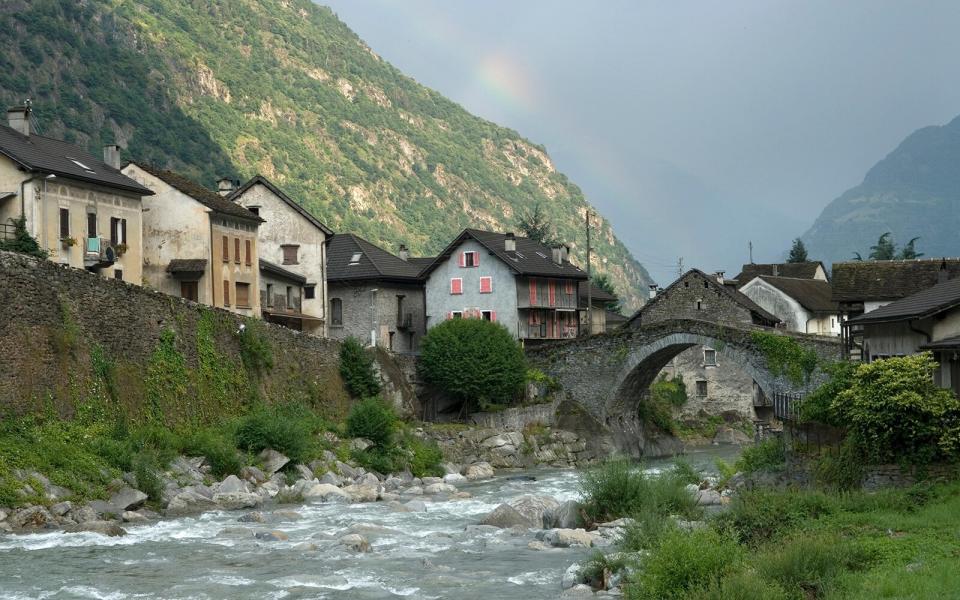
<point x="564" y="538"/>
<point x="454" y="478"/>
<point x="60" y="509"/>
<point x="413" y="490"/>
<point x="5" y="527"/>
<point x="355" y="542"/>
<point x="107" y="528"/>
<point x="567" y="515"/>
<point x="360" y="444"/>
<point x="450" y="468"/>
<point x="431" y="480"/>
<point x="187" y="502"/>
<point x="325" y="492"/>
<point x="348" y="471"/>
<point x="367" y="479"/>
<point x="304" y="472"/>
<point x="331" y="478"/>
<point x="581" y="590"/>
<point x="273" y="461"/>
<point x="416" y="506"/>
<point x="252" y="517"/>
<point x="363" y="493"/>
<point x="231" y="485"/>
<point x="32" y="516"/>
<point x="187" y="471"/>
<point x="253" y="475"/>
<point x="511" y="438"/>
<point x="480" y="470"/>
<point x="536" y="509"/>
<point x="127" y="498"/>
<point x="388" y="496"/>
<point x="285" y="515"/>
<point x="439" y="488"/>
<point x="272" y="536"/>
<point x="132" y="516"/>
<point x="708" y="498"/>
<point x="238" y="500"/>
<point x="82" y="514"/>
<point x="571" y="576"/>
<point x="393" y="483"/>
<point x="506" y="516"/>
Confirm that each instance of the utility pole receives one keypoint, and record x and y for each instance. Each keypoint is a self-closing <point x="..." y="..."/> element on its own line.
<point x="589" y="281"/>
<point x="679" y="267"/>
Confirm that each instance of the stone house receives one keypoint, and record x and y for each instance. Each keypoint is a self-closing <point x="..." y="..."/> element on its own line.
<point x="803" y="305"/>
<point x="293" y="238"/>
<point x="375" y="296"/>
<point x="282" y="297"/>
<point x="600" y="316"/>
<point x="926" y="320"/>
<point x="82" y="210"/>
<point x="813" y="269"/>
<point x="198" y="245"/>
<point x="529" y="288"/>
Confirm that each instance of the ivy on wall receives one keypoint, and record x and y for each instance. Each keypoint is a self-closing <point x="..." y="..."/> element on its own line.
<point x="786" y="356"/>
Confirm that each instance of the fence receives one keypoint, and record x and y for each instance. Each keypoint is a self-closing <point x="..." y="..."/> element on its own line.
<point x="786" y="406"/>
<point x="7" y="231"/>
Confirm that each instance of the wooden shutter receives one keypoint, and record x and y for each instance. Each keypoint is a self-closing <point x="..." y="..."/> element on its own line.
<point x="249" y="254"/>
<point x="114" y="231"/>
<point x="456" y="285"/>
<point x="463" y="259"/>
<point x="533" y="292"/>
<point x="64" y="223"/>
<point x="476" y="259"/>
<point x="552" y="292"/>
<point x="226" y="249"/>
<point x="486" y="285"/>
<point x="493" y="315"/>
<point x="226" y="292"/>
<point x="236" y="250"/>
<point x="568" y="287"/>
<point x="123" y="231"/>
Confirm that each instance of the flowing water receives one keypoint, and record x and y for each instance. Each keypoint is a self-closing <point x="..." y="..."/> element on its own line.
<point x="432" y="554"/>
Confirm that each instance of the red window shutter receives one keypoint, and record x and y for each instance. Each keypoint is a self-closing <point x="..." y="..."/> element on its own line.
<point x="476" y="259"/>
<point x="569" y="287"/>
<point x="456" y="286"/>
<point x="450" y="315"/>
<point x="552" y="292"/>
<point x="463" y="259"/>
<point x="486" y="285"/>
<point x="533" y="292"/>
<point x="493" y="315"/>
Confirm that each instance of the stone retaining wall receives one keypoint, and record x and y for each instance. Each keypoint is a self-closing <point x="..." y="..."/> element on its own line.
<point x="518" y="417"/>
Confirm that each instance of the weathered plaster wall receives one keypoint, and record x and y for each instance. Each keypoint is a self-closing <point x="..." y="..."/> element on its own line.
<point x="370" y="313"/>
<point x="729" y="388"/>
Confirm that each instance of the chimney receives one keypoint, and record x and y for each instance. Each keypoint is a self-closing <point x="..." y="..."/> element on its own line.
<point x="226" y="186"/>
<point x="719" y="276"/>
<point x="564" y="252"/>
<point x="653" y="290"/>
<point x="510" y="243"/>
<point x="776" y="270"/>
<point x="557" y="255"/>
<point x="404" y="254"/>
<point x="18" y="117"/>
<point x="111" y="155"/>
<point x="943" y="274"/>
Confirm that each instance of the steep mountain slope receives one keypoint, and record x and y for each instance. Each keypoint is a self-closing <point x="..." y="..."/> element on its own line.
<point x="914" y="191"/>
<point x="284" y="89"/>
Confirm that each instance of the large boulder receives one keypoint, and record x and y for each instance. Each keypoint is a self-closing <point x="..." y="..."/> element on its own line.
<point x="355" y="542"/>
<point x="60" y="509"/>
<point x="273" y="461"/>
<point x="82" y="514"/>
<point x="325" y="492"/>
<point x="363" y="493"/>
<point x="439" y="488"/>
<point x="537" y="509"/>
<point x="237" y="500"/>
<point x="107" y="528"/>
<point x="32" y="516"/>
<point x="564" y="538"/>
<point x="567" y="515"/>
<point x="231" y="485"/>
<point x="189" y="502"/>
<point x="729" y="435"/>
<point x="253" y="475"/>
<point x="454" y="478"/>
<point x="571" y="576"/>
<point x="480" y="470"/>
<point x="127" y="498"/>
<point x="512" y="438"/>
<point x="506" y="516"/>
<point x="331" y="478"/>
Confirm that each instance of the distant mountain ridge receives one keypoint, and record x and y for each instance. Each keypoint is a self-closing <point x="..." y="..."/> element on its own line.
<point x="284" y="89"/>
<point x="914" y="191"/>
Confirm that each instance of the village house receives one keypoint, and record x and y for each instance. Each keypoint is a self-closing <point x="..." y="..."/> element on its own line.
<point x="375" y="296"/>
<point x="812" y="269"/>
<point x="281" y="296"/>
<point x="82" y="210"/>
<point x="803" y="305"/>
<point x="529" y="288"/>
<point x="926" y="320"/>
<point x="601" y="318"/>
<point x="292" y="238"/>
<point x="197" y="244"/>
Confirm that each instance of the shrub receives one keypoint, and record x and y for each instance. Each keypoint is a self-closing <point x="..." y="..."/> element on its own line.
<point x="742" y="585"/>
<point x="255" y="351"/>
<point x="22" y="241"/>
<point x="685" y="472"/>
<point x="426" y="458"/>
<point x="670" y="391"/>
<point x="818" y="406"/>
<point x="786" y="356"/>
<point x="217" y="448"/>
<point x="145" y="466"/>
<point x="683" y="561"/>
<point x="618" y="489"/>
<point x="374" y="420"/>
<point x="807" y="563"/>
<point x="267" y="428"/>
<point x="844" y="470"/>
<point x="474" y="360"/>
<point x="356" y="368"/>
<point x="383" y="460"/>
<point x="770" y="454"/>
<point x="756" y="516"/>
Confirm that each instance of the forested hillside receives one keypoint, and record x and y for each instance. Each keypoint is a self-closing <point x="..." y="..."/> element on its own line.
<point x="285" y="89"/>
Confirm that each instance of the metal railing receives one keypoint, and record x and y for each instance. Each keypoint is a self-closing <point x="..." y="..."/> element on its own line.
<point x="8" y="231"/>
<point x="786" y="405"/>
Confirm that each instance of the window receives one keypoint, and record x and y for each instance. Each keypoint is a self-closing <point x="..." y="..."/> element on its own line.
<point x="255" y="210"/>
<point x="701" y="389"/>
<point x="470" y="259"/>
<point x="355" y="259"/>
<point x="91" y="225"/>
<point x="533" y="292"/>
<point x="336" y="312"/>
<point x="118" y="274"/>
<point x="243" y="295"/>
<point x="269" y="295"/>
<point x="64" y="223"/>
<point x="456" y="286"/>
<point x="486" y="285"/>
<point x="290" y="303"/>
<point x="236" y="250"/>
<point x="706" y="285"/>
<point x="226" y="292"/>
<point x="488" y="315"/>
<point x="114" y="231"/>
<point x="400" y="308"/>
<point x="226" y="249"/>
<point x="457" y="314"/>
<point x="290" y="254"/>
<point x="686" y="284"/>
<point x="123" y="231"/>
<point x="568" y="287"/>
<point x="248" y="255"/>
<point x="552" y="292"/>
<point x="709" y="357"/>
<point x="699" y="303"/>
<point x="309" y="292"/>
<point x="189" y="290"/>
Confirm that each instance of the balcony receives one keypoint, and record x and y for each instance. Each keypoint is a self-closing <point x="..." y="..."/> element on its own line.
<point x="405" y="321"/>
<point x="98" y="253"/>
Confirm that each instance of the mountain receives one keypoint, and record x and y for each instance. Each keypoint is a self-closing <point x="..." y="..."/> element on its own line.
<point x="914" y="191"/>
<point x="284" y="89"/>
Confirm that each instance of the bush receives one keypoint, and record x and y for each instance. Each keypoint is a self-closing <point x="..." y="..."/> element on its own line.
<point x="843" y="471"/>
<point x="742" y="585"/>
<point x="756" y="516"/>
<point x="807" y="563"/>
<point x="786" y="356"/>
<point x="818" y="406"/>
<point x="618" y="489"/>
<point x="266" y="427"/>
<point x="684" y="561"/>
<point x="255" y="351"/>
<point x="217" y="448"/>
<point x="383" y="460"/>
<point x="356" y="368"/>
<point x="768" y="455"/>
<point x="670" y="391"/>
<point x="145" y="469"/>
<point x="474" y="360"/>
<point x="896" y="413"/>
<point x="426" y="458"/>
<point x="374" y="420"/>
<point x="22" y="241"/>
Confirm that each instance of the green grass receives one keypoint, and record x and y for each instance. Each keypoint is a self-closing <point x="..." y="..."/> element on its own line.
<point x="619" y="488"/>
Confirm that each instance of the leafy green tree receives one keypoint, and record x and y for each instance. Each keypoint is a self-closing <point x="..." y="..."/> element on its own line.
<point x="372" y="419"/>
<point x="535" y="225"/>
<point x="474" y="360"/>
<point x="602" y="281"/>
<point x="909" y="251"/>
<point x="356" y="368"/>
<point x="22" y="241"/>
<point x="798" y="252"/>
<point x="884" y="249"/>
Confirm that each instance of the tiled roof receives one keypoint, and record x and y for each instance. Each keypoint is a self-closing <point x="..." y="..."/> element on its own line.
<point x="926" y="303"/>
<point x="531" y="258"/>
<point x="756" y="311"/>
<point x="422" y="261"/>
<point x="279" y="271"/>
<point x="856" y="281"/>
<point x="187" y="265"/>
<point x="373" y="262"/>
<point x="804" y="270"/>
<point x="596" y="294"/>
<point x="208" y="198"/>
<point x="952" y="343"/>
<point x="40" y="153"/>
<point x="287" y="199"/>
<point x="814" y="295"/>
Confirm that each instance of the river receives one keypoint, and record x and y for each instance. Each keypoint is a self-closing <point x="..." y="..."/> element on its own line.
<point x="416" y="555"/>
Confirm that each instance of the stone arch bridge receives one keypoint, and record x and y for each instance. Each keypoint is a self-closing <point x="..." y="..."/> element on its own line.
<point x="603" y="378"/>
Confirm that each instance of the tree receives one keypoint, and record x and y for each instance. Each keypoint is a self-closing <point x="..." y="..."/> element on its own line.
<point x="884" y="249"/>
<point x="909" y="251"/>
<point x="22" y="241"/>
<point x="356" y="368"/>
<point x="798" y="253"/>
<point x="536" y="226"/>
<point x="602" y="281"/>
<point x="475" y="361"/>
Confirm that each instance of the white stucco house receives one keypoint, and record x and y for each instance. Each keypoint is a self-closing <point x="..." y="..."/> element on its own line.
<point x="802" y="305"/>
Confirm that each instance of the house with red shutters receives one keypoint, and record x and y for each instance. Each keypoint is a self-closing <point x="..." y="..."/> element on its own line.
<point x="530" y="288"/>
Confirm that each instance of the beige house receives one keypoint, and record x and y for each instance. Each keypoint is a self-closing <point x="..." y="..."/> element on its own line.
<point x="197" y="244"/>
<point x="82" y="210"/>
<point x="293" y="239"/>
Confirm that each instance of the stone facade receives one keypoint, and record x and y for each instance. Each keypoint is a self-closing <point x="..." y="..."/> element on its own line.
<point x="374" y="313"/>
<point x="714" y="387"/>
<point x="694" y="296"/>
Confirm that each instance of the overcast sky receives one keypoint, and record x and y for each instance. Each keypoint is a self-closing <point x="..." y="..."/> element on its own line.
<point x="695" y="127"/>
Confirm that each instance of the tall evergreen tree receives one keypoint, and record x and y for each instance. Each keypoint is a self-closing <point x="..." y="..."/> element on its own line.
<point x="535" y="225"/>
<point x="798" y="253"/>
<point x="884" y="249"/>
<point x="909" y="251"/>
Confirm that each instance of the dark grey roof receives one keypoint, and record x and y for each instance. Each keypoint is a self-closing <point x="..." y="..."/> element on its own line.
<point x="531" y="258"/>
<point x="288" y="200"/>
<point x="48" y="155"/>
<point x="187" y="265"/>
<point x="373" y="262"/>
<point x="804" y="270"/>
<point x="208" y="198"/>
<point x="952" y="343"/>
<point x="856" y="281"/>
<point x="814" y="295"/>
<point x="596" y="294"/>
<point x="279" y="271"/>
<point x="926" y="303"/>
<point x="422" y="262"/>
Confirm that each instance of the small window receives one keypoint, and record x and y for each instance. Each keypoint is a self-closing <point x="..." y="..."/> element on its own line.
<point x="226" y="292"/>
<point x="355" y="259"/>
<point x="701" y="389"/>
<point x="236" y="250"/>
<point x="336" y="312"/>
<point x="91" y="225"/>
<point x="226" y="249"/>
<point x="457" y="314"/>
<point x="486" y="285"/>
<point x="255" y="210"/>
<point x="686" y="284"/>
<point x="488" y="315"/>
<point x="309" y="292"/>
<point x="709" y="357"/>
<point x="699" y="303"/>
<point x="456" y="286"/>
<point x="706" y="285"/>
<point x="269" y="295"/>
<point x="470" y="259"/>
<point x="243" y="295"/>
<point x="248" y="255"/>
<point x="118" y="274"/>
<point x="290" y="254"/>
<point x="114" y="231"/>
<point x="64" y="223"/>
<point x="189" y="290"/>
